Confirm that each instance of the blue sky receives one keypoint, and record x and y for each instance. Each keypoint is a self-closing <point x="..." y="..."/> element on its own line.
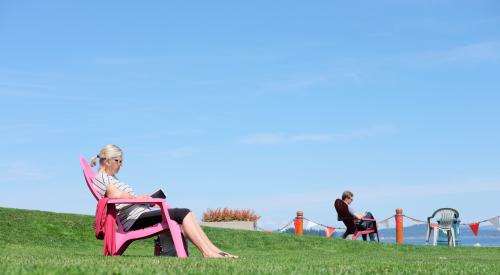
<point x="275" y="106"/>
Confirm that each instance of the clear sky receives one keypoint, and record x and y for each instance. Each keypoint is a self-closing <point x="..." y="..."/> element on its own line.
<point x="275" y="106"/>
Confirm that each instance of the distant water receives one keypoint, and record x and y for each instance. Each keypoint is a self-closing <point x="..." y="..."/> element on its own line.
<point x="464" y="240"/>
<point x="488" y="236"/>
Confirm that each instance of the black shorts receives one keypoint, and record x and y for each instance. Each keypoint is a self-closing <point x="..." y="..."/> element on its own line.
<point x="150" y="218"/>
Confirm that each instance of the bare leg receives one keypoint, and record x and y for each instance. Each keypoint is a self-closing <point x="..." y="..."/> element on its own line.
<point x="199" y="238"/>
<point x="195" y="237"/>
<point x="190" y="225"/>
<point x="197" y="227"/>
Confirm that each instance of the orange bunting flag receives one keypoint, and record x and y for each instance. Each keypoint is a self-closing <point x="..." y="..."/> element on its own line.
<point x="329" y="231"/>
<point x="474" y="227"/>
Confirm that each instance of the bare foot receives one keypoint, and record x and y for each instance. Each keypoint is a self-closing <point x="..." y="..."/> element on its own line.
<point x="221" y="254"/>
<point x="227" y="255"/>
<point x="213" y="255"/>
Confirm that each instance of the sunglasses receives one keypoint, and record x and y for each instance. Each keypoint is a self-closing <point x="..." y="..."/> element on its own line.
<point x="118" y="160"/>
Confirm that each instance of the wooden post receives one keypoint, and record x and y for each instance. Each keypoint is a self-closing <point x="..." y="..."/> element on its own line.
<point x="299" y="223"/>
<point x="399" y="226"/>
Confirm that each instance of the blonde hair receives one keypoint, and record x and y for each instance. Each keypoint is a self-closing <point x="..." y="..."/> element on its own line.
<point x="109" y="151"/>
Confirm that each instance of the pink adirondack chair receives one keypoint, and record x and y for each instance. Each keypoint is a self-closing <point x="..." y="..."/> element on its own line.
<point x="124" y="238"/>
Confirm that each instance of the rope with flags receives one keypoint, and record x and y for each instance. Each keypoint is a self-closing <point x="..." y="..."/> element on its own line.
<point x="309" y="224"/>
<point x="281" y="229"/>
<point x="329" y="230"/>
<point x="312" y="223"/>
<point x="285" y="227"/>
<point x="417" y="221"/>
<point x="385" y="222"/>
<point x="474" y="226"/>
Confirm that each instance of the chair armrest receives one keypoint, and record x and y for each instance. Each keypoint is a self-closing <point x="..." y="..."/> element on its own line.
<point x="136" y="201"/>
<point x="160" y="202"/>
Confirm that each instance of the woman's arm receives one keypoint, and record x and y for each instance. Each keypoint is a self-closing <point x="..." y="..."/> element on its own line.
<point x="113" y="192"/>
<point x="358" y="216"/>
<point x="354" y="213"/>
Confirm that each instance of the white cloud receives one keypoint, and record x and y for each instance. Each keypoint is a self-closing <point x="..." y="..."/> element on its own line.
<point x="180" y="152"/>
<point x="185" y="132"/>
<point x="277" y="138"/>
<point x="23" y="94"/>
<point x="294" y="82"/>
<point x="284" y="139"/>
<point x="21" y="171"/>
<point x="478" y="52"/>
<point x="368" y="132"/>
<point x="309" y="81"/>
<point x="35" y="85"/>
<point x="35" y="91"/>
<point x="30" y="132"/>
<point x="120" y="61"/>
<point x="416" y="191"/>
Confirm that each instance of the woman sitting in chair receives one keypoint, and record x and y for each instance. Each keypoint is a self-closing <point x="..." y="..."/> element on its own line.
<point x="138" y="216"/>
<point x="347" y="197"/>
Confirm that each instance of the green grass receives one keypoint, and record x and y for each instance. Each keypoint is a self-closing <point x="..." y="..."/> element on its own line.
<point x="38" y="242"/>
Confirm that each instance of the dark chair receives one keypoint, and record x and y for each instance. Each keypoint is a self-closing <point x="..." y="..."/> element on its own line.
<point x="350" y="222"/>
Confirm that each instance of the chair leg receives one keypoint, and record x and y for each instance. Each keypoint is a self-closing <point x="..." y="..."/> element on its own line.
<point x="453" y="237"/>
<point x="121" y="244"/>
<point x="428" y="235"/>
<point x="121" y="249"/>
<point x="435" y="237"/>
<point x="175" y="232"/>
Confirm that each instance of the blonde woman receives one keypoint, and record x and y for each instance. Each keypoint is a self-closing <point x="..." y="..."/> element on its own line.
<point x="138" y="216"/>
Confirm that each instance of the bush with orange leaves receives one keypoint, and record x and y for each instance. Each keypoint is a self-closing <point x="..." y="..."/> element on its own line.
<point x="227" y="215"/>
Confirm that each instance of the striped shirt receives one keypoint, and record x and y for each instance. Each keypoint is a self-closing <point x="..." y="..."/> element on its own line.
<point x="127" y="213"/>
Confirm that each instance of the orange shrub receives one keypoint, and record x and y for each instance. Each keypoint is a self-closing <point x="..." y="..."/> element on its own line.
<point x="227" y="215"/>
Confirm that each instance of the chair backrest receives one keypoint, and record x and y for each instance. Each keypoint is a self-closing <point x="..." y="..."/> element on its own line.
<point x="447" y="216"/>
<point x="89" y="175"/>
<point x="344" y="215"/>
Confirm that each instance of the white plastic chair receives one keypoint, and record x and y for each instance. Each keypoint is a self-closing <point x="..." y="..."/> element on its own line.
<point x="445" y="217"/>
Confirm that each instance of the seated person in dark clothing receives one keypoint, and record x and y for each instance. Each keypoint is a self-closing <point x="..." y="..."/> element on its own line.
<point x="347" y="197"/>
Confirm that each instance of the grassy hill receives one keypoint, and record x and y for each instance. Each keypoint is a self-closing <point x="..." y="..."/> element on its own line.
<point x="44" y="242"/>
